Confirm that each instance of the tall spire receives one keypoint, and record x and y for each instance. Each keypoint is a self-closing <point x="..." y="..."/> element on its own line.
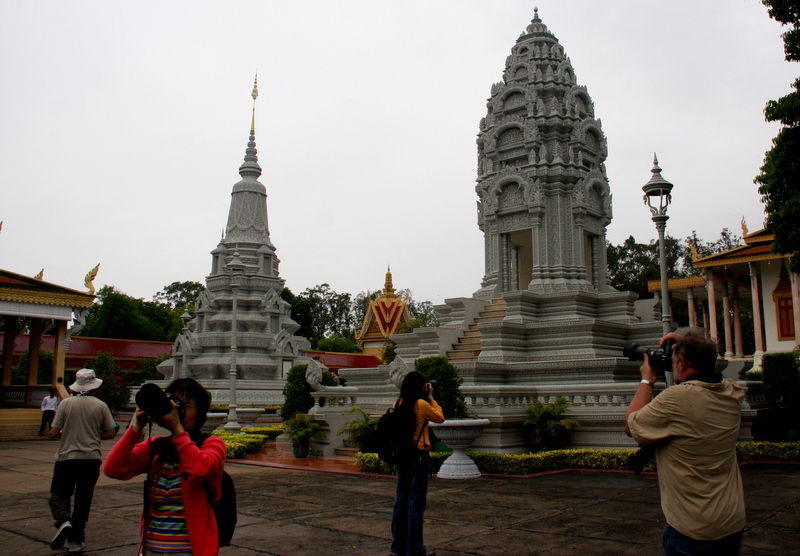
<point x="254" y="94"/>
<point x="250" y="167"/>
<point x="247" y="219"/>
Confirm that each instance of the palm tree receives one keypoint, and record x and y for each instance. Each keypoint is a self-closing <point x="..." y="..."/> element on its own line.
<point x="544" y="424"/>
<point x="361" y="431"/>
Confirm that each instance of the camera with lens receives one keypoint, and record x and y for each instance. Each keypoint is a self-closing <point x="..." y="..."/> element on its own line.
<point x="153" y="400"/>
<point x="660" y="359"/>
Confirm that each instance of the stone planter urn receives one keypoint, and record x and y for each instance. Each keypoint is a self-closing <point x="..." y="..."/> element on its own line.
<point x="249" y="414"/>
<point x="213" y="421"/>
<point x="459" y="434"/>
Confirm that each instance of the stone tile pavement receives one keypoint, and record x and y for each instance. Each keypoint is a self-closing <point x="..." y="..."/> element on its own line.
<point x="301" y="513"/>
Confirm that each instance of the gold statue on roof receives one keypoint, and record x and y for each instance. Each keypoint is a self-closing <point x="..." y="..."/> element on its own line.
<point x="88" y="281"/>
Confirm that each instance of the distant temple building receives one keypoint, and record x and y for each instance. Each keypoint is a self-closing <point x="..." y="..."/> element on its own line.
<point x="385" y="315"/>
<point x="241" y="321"/>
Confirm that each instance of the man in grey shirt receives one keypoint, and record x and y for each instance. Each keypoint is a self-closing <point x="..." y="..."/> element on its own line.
<point x="81" y="422"/>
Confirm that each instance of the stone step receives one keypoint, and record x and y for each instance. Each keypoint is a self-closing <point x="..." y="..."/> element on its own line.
<point x="346" y="452"/>
<point x="463" y="355"/>
<point x="20" y="424"/>
<point x="468" y="347"/>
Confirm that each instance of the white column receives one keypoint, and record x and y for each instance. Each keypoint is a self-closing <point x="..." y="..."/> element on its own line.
<point x="758" y="323"/>
<point x="726" y="319"/>
<point x="712" y="306"/>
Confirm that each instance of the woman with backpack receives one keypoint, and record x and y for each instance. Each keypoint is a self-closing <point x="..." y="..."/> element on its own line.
<point x="184" y="471"/>
<point x="416" y="408"/>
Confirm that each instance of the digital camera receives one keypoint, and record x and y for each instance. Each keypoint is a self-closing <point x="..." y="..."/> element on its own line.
<point x="660" y="359"/>
<point x="153" y="400"/>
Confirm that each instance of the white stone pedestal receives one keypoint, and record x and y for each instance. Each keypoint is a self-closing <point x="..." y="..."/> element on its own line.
<point x="459" y="434"/>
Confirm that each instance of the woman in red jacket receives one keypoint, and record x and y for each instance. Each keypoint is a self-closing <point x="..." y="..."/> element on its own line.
<point x="178" y="517"/>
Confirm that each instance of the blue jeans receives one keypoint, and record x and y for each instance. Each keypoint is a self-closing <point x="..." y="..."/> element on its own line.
<point x="409" y="506"/>
<point x="677" y="544"/>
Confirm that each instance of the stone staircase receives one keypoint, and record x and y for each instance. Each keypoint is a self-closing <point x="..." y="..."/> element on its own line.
<point x="469" y="344"/>
<point x="20" y="423"/>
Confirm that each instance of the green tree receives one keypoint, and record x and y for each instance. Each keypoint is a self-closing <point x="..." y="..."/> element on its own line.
<point x="296" y="393"/>
<point x="180" y="295"/>
<point x="336" y="343"/>
<point x="120" y="316"/>
<point x="114" y="390"/>
<point x="19" y="374"/>
<point x="147" y="370"/>
<point x="780" y="174"/>
<point x="447" y="391"/>
<point x="320" y="312"/>
<point x="632" y="265"/>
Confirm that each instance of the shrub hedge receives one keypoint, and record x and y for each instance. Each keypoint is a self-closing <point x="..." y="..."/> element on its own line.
<point x="526" y="464"/>
<point x="270" y="432"/>
<point x="237" y="445"/>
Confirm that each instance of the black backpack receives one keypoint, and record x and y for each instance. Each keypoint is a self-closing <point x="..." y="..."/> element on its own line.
<point x="393" y="439"/>
<point x="224" y="508"/>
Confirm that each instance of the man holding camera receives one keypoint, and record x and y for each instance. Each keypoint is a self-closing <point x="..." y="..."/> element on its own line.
<point x="694" y="426"/>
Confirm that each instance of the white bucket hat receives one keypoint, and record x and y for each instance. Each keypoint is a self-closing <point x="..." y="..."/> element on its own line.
<point x="85" y="380"/>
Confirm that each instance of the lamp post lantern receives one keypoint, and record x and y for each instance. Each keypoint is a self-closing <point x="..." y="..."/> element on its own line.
<point x="236" y="268"/>
<point x="657" y="197"/>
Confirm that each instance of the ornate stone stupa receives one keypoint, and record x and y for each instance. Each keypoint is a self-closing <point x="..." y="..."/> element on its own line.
<point x="544" y="195"/>
<point x="241" y="320"/>
<point x="544" y="323"/>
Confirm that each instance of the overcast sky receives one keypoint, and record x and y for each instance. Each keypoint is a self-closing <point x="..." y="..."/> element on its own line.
<point x="123" y="125"/>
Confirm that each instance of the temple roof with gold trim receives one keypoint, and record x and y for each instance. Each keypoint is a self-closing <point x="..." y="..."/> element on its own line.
<point x="384" y="315"/>
<point x="18" y="288"/>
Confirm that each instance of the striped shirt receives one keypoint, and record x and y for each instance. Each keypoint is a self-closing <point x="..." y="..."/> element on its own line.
<point x="167" y="531"/>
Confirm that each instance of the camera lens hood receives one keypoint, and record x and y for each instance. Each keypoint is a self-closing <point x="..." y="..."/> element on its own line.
<point x="151" y="399"/>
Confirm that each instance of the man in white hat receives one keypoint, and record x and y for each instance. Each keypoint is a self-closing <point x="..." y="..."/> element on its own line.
<point x="81" y="421"/>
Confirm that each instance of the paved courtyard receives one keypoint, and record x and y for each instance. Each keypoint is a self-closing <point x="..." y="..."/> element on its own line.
<point x="301" y="513"/>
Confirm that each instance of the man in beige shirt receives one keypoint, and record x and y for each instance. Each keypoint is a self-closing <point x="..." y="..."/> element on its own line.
<point x="81" y="421"/>
<point x="694" y="426"/>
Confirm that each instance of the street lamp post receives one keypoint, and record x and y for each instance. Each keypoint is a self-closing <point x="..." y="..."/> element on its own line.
<point x="657" y="197"/>
<point x="236" y="269"/>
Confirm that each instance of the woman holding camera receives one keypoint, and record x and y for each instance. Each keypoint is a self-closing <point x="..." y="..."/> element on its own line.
<point x="416" y="407"/>
<point x="178" y="516"/>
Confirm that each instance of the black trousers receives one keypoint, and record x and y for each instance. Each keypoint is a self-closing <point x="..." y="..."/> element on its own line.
<point x="78" y="477"/>
<point x="47" y="420"/>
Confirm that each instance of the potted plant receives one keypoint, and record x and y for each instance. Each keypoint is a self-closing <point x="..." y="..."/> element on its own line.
<point x="545" y="425"/>
<point x="361" y="431"/>
<point x="301" y="430"/>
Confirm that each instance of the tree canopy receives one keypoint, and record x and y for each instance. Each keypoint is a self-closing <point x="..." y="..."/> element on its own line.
<point x="632" y="265"/>
<point x="118" y="315"/>
<point x="780" y="174"/>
